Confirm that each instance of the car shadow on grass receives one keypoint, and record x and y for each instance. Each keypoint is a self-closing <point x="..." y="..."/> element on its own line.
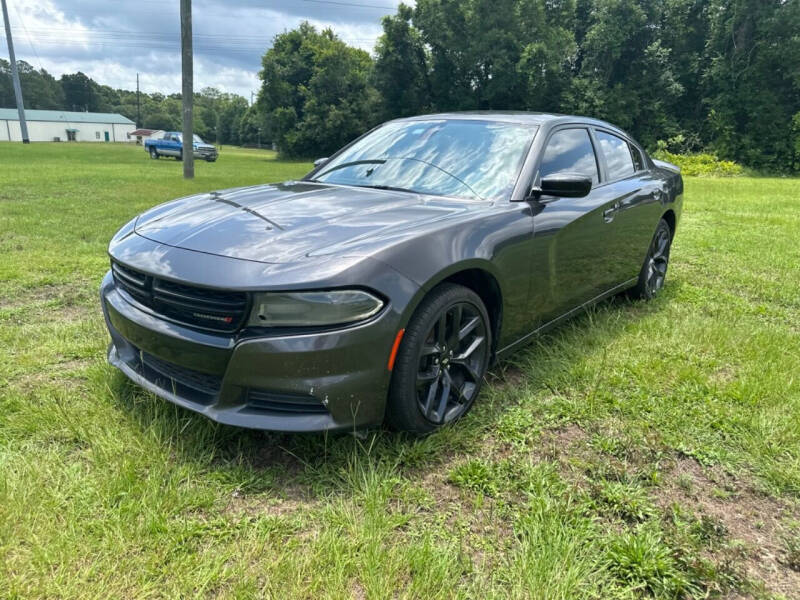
<point x="308" y="465"/>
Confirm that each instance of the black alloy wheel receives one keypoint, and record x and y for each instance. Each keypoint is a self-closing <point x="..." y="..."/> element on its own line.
<point x="442" y="361"/>
<point x="654" y="269"/>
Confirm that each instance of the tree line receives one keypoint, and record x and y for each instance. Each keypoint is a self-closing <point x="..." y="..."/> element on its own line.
<point x="218" y="117"/>
<point x="718" y="75"/>
<point x="683" y="75"/>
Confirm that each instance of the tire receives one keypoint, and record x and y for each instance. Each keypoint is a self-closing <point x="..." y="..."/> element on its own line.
<point x="154" y="153"/>
<point x="439" y="368"/>
<point x="179" y="157"/>
<point x="654" y="270"/>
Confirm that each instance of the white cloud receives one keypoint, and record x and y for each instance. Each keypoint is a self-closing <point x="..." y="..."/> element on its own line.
<point x="112" y="41"/>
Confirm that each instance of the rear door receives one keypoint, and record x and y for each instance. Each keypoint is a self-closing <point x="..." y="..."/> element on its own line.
<point x="170" y="145"/>
<point x="637" y="201"/>
<point x="571" y="232"/>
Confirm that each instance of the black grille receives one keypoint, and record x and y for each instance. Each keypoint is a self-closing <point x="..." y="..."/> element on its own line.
<point x="167" y="373"/>
<point x="262" y="400"/>
<point x="215" y="310"/>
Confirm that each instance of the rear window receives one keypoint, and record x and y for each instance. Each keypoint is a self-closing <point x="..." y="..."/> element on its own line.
<point x="618" y="155"/>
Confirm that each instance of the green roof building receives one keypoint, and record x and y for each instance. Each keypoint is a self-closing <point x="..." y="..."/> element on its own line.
<point x="63" y="126"/>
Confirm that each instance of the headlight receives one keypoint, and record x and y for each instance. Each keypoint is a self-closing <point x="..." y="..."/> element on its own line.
<point x="304" y="309"/>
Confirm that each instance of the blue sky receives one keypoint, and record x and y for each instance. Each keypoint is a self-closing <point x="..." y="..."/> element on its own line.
<point x="112" y="40"/>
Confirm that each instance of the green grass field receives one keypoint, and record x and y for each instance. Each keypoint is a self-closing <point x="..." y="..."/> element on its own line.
<point x="642" y="450"/>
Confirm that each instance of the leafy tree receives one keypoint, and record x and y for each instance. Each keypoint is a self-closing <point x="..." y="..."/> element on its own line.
<point x="401" y="73"/>
<point x="253" y="127"/>
<point x="753" y="80"/>
<point x="40" y="90"/>
<point x="80" y="92"/>
<point x="625" y="75"/>
<point x="316" y="91"/>
<point x="161" y="120"/>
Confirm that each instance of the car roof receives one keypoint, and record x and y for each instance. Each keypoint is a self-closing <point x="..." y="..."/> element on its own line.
<point x="512" y="116"/>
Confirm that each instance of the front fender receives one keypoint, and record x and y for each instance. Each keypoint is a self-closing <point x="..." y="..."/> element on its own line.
<point x="498" y="244"/>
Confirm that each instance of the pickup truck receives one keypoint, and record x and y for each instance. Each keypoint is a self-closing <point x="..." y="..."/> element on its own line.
<point x="170" y="143"/>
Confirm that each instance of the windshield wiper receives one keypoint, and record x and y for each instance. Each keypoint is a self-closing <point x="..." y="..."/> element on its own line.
<point x="353" y="163"/>
<point x="386" y="187"/>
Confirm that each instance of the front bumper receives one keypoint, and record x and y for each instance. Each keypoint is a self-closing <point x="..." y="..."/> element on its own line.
<point x="332" y="380"/>
<point x="210" y="154"/>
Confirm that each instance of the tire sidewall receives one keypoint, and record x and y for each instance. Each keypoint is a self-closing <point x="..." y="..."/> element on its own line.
<point x="402" y="410"/>
<point x="642" y="289"/>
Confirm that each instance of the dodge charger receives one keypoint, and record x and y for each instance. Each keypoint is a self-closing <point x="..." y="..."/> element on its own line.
<point x="381" y="286"/>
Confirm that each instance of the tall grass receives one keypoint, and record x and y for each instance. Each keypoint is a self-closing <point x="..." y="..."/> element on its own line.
<point x="611" y="459"/>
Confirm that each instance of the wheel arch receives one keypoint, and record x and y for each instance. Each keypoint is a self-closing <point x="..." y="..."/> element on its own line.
<point x="477" y="276"/>
<point x="670" y="218"/>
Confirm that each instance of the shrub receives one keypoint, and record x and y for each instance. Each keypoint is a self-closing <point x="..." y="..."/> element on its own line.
<point x="643" y="561"/>
<point x="678" y="151"/>
<point x="702" y="164"/>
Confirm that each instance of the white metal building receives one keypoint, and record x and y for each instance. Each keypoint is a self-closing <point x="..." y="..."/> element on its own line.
<point x="63" y="126"/>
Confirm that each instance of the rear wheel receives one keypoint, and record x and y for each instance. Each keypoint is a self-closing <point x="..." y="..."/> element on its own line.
<point x="153" y="153"/>
<point x="441" y="362"/>
<point x="654" y="269"/>
<point x="179" y="156"/>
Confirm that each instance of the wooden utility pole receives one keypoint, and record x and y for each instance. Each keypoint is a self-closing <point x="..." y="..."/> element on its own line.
<point x="188" y="88"/>
<point x="138" y="107"/>
<point x="23" y="125"/>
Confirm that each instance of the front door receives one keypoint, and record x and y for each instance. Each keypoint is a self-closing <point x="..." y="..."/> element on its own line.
<point x="107" y="136"/>
<point x="570" y="234"/>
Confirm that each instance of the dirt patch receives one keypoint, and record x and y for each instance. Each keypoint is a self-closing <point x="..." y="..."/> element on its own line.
<point x="724" y="375"/>
<point x="293" y="501"/>
<point x="357" y="591"/>
<point x="746" y="515"/>
<point x="60" y="302"/>
<point x="505" y="375"/>
<point x="66" y="373"/>
<point x="567" y="448"/>
<point x="473" y="523"/>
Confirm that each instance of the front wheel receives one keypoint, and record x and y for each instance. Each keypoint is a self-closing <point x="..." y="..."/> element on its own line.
<point x="180" y="156"/>
<point x="654" y="269"/>
<point x="153" y="153"/>
<point x="441" y="362"/>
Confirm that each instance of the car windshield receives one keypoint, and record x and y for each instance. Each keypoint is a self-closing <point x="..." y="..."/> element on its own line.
<point x="465" y="158"/>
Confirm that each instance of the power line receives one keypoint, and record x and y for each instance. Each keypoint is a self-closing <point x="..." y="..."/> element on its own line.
<point x="359" y="5"/>
<point x="236" y="45"/>
<point x="28" y="37"/>
<point x="115" y="34"/>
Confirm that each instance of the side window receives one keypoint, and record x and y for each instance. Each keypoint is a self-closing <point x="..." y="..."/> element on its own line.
<point x="617" y="153"/>
<point x="638" y="159"/>
<point x="570" y="151"/>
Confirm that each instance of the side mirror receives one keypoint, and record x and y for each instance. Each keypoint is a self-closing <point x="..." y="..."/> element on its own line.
<point x="320" y="161"/>
<point x="563" y="185"/>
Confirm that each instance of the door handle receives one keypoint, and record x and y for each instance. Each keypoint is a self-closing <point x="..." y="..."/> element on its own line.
<point x="609" y="213"/>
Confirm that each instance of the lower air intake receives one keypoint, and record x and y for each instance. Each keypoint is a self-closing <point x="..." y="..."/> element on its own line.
<point x="271" y="402"/>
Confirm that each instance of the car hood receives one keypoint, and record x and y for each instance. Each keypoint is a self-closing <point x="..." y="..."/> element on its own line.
<point x="291" y="221"/>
